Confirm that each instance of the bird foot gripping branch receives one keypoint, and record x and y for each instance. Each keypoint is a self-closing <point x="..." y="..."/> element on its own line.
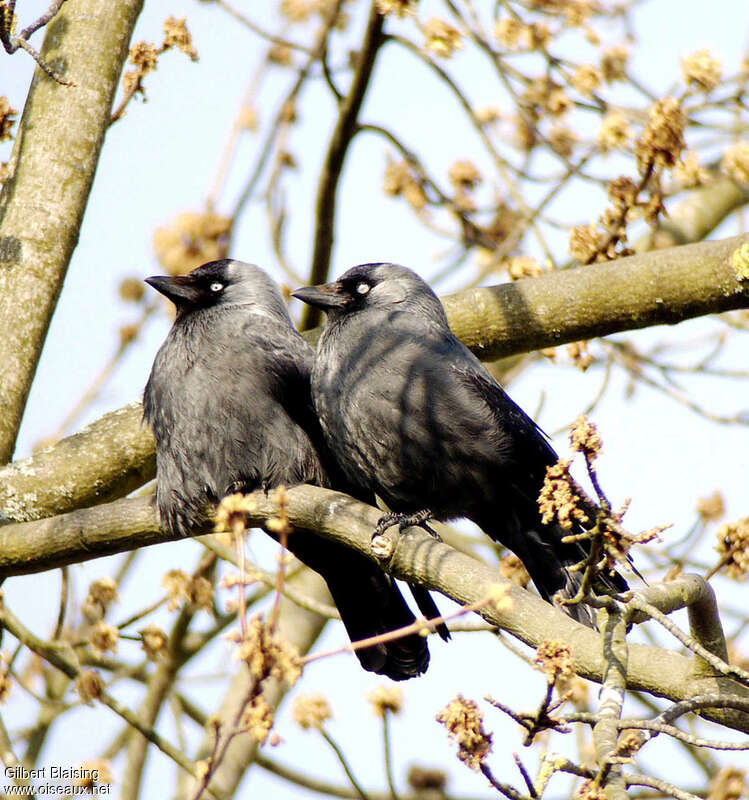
<point x="403" y="521"/>
<point x="383" y="546"/>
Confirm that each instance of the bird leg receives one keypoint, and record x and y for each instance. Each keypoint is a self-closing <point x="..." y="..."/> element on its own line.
<point x="404" y="521"/>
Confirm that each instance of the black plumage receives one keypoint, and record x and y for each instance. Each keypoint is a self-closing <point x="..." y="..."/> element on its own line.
<point x="229" y="402"/>
<point x="411" y="414"/>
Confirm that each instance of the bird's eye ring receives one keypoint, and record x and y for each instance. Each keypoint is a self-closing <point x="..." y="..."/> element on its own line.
<point x="362" y="288"/>
<point x="216" y="287"/>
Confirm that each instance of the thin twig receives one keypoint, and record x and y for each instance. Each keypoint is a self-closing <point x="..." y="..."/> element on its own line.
<point x="388" y="753"/>
<point x="415" y="627"/>
<point x="526" y="777"/>
<point x="340" y="140"/>
<point x="503" y="788"/>
<point x="655" y="783"/>
<point x="64" y="598"/>
<point x="713" y="660"/>
<point x="344" y="763"/>
<point x="11" y="42"/>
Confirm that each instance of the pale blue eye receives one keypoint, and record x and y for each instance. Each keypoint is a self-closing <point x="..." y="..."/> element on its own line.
<point x="217" y="287"/>
<point x="363" y="288"/>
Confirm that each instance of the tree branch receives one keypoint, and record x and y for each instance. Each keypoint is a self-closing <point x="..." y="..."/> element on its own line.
<point x="655" y="288"/>
<point x="606" y="731"/>
<point x="340" y="140"/>
<point x="62" y="656"/>
<point x="108" y="459"/>
<point x="124" y="524"/>
<point x="11" y="43"/>
<point x="299" y="627"/>
<point x="51" y="172"/>
<point x="697" y="216"/>
<point x="160" y="684"/>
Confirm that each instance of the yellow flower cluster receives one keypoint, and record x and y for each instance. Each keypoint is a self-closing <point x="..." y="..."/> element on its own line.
<point x="465" y="724"/>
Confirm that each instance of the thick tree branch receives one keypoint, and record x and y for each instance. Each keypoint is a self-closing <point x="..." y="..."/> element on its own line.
<point x="51" y="173"/>
<point x="697" y="596"/>
<point x="115" y="454"/>
<point x="79" y="536"/>
<point x="656" y="288"/>
<point x="104" y="461"/>
<point x="124" y="524"/>
<point x="340" y="140"/>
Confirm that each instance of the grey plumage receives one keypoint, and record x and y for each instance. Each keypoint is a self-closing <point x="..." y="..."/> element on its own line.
<point x="229" y="402"/>
<point x="411" y="414"/>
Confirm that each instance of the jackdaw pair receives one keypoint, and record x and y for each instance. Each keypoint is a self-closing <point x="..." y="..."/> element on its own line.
<point x="412" y="415"/>
<point x="229" y="402"/>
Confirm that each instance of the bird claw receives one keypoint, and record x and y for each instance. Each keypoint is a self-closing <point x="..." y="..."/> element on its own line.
<point x="404" y="521"/>
<point x="383" y="523"/>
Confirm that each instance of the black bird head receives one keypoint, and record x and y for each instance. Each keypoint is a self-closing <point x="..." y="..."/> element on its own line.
<point x="374" y="286"/>
<point x="222" y="283"/>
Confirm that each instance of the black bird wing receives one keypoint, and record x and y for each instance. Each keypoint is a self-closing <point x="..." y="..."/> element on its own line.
<point x="348" y="581"/>
<point x="524" y="445"/>
<point x="527" y="454"/>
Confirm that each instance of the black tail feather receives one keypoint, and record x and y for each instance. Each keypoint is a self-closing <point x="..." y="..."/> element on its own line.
<point x="370" y="604"/>
<point x="428" y="608"/>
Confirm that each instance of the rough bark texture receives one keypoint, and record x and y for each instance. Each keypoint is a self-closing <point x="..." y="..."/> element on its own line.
<point x="51" y="172"/>
<point x="29" y="547"/>
<point x="104" y="461"/>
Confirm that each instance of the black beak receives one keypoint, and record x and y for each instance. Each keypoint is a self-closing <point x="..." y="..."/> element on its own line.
<point x="327" y="296"/>
<point x="180" y="289"/>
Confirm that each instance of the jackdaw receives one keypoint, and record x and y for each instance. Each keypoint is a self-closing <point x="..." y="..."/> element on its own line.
<point x="411" y="414"/>
<point x="229" y="402"/>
